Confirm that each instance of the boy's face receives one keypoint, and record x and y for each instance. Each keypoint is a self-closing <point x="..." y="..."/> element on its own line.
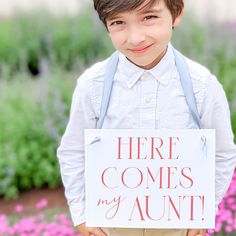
<point x="143" y="34"/>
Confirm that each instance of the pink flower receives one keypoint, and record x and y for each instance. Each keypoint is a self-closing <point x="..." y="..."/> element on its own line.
<point x="37" y="226"/>
<point x="3" y="223"/>
<point x="19" y="208"/>
<point x="228" y="229"/>
<point x="41" y="204"/>
<point x="225" y="219"/>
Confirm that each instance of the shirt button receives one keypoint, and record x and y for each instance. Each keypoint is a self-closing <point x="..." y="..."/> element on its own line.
<point x="147" y="100"/>
<point x="145" y="75"/>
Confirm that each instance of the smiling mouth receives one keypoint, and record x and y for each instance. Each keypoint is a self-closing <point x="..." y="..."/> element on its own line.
<point x="140" y="49"/>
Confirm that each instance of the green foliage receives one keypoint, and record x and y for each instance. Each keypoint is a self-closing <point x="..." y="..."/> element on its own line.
<point x="33" y="115"/>
<point x="66" y="41"/>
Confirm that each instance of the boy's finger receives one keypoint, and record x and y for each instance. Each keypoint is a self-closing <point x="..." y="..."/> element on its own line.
<point x="97" y="232"/>
<point x="196" y="232"/>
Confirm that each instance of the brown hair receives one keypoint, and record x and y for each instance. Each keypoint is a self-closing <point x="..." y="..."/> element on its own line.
<point x="107" y="8"/>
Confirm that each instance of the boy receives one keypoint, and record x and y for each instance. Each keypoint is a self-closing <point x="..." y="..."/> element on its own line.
<point x="146" y="93"/>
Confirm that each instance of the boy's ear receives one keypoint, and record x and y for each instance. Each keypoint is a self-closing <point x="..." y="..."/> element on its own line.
<point x="178" y="19"/>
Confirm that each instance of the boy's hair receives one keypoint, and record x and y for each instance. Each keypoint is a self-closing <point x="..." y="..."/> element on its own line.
<point x="108" y="8"/>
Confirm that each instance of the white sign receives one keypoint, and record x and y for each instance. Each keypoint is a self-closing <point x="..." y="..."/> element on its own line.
<point x="150" y="178"/>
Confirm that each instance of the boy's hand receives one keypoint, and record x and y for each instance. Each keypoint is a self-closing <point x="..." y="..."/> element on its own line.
<point x="196" y="232"/>
<point x="87" y="231"/>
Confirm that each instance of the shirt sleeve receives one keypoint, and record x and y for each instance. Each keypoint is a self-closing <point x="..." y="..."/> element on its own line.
<point x="70" y="153"/>
<point x="215" y="114"/>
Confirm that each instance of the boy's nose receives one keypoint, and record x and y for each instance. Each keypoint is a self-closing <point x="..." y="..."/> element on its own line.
<point x="135" y="36"/>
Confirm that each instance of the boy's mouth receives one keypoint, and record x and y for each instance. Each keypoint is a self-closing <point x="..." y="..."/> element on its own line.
<point x="140" y="49"/>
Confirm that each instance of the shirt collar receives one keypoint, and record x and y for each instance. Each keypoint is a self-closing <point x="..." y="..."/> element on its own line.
<point x="161" y="72"/>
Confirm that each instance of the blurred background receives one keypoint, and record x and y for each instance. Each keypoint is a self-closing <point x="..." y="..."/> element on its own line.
<point x="44" y="46"/>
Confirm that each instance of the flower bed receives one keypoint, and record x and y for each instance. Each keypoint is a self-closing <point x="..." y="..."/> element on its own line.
<point x="60" y="225"/>
<point x="44" y="223"/>
<point x="54" y="224"/>
<point x="226" y="217"/>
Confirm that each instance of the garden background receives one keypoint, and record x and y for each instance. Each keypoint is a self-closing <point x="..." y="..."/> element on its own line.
<point x="41" y="56"/>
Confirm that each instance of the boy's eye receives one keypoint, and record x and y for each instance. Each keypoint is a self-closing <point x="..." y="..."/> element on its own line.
<point x="117" y="22"/>
<point x="150" y="17"/>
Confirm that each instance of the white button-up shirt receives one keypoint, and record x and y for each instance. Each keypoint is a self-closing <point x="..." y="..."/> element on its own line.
<point x="143" y="99"/>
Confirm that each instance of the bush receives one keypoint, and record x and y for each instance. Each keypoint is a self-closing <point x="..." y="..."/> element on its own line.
<point x="33" y="115"/>
<point x="28" y="39"/>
